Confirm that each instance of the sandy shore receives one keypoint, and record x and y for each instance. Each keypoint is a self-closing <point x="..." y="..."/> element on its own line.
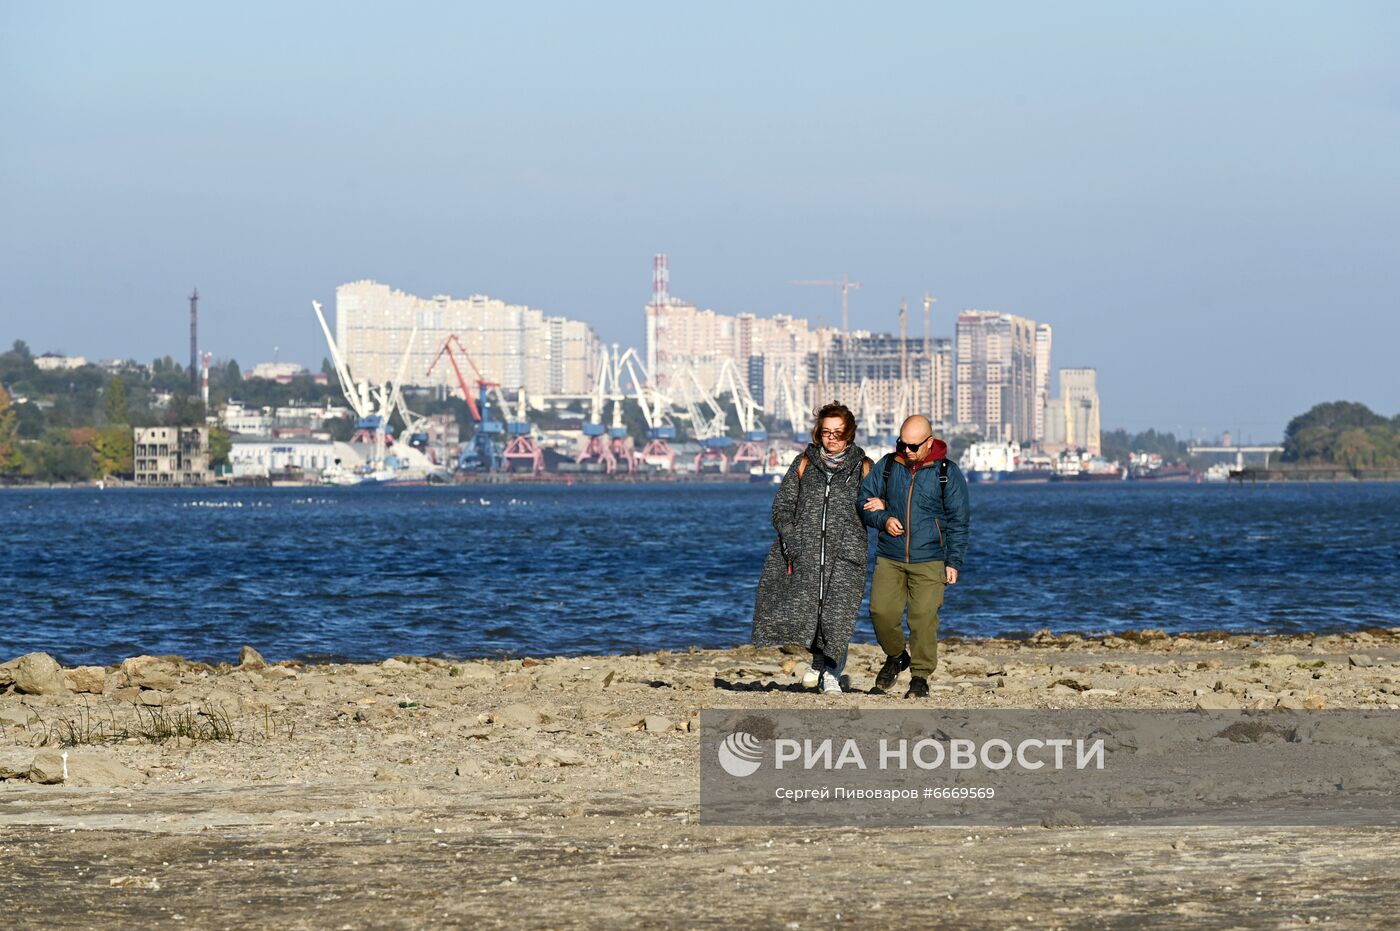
<point x="564" y="792"/>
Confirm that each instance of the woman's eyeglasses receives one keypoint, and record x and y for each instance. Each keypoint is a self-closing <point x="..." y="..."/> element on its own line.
<point x="833" y="434"/>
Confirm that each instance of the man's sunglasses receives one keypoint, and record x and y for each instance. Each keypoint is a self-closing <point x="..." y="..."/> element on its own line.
<point x="902" y="447"/>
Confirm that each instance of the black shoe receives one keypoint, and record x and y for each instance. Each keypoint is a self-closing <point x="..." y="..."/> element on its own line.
<point x="918" y="688"/>
<point x="891" y="670"/>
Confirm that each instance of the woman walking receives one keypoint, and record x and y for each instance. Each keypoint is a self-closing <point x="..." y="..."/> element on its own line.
<point x="813" y="580"/>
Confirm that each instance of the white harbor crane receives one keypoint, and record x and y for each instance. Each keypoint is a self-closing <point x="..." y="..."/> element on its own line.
<point x="709" y="427"/>
<point x="595" y="446"/>
<point x="374" y="405"/>
<point x="750" y="450"/>
<point x="654" y="406"/>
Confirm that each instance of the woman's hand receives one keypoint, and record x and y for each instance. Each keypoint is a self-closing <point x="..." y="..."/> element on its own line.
<point x="875" y="504"/>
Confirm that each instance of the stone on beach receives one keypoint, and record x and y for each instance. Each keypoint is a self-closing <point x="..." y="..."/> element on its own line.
<point x="151" y="672"/>
<point x="1218" y="701"/>
<point x="14" y="763"/>
<point x="519" y="714"/>
<point x="46" y="768"/>
<point x="249" y="658"/>
<point x="17" y="717"/>
<point x="88" y="679"/>
<point x="39" y="674"/>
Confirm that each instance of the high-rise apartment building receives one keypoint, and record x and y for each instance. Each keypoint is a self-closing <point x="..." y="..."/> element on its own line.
<point x="867" y="372"/>
<point x="515" y="345"/>
<point x="996" y="355"/>
<point x="1042" y="379"/>
<point x="769" y="353"/>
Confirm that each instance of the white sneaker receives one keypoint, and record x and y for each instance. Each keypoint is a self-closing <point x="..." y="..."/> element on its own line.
<point x="831" y="685"/>
<point x="810" y="678"/>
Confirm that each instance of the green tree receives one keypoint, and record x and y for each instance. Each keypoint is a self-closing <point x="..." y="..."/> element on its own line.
<point x="114" y="405"/>
<point x="220" y="445"/>
<point x="21" y="349"/>
<point x="57" y="458"/>
<point x="9" y="436"/>
<point x="185" y="411"/>
<point x="1342" y="432"/>
<point x="113" y="451"/>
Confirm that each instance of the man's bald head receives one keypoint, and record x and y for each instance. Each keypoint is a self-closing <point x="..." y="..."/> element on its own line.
<point x="915" y="430"/>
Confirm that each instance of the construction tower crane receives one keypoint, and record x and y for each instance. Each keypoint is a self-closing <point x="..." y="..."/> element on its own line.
<point x="788" y="405"/>
<point x="481" y="455"/>
<point x="847" y="286"/>
<point x="750" y="451"/>
<point x="654" y="407"/>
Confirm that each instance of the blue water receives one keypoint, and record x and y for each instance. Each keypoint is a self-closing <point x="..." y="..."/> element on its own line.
<point x="95" y="576"/>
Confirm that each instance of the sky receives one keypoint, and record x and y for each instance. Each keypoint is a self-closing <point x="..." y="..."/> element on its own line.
<point x="1200" y="198"/>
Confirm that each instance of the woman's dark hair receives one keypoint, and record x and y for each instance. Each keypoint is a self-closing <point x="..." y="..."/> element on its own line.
<point x="848" y="421"/>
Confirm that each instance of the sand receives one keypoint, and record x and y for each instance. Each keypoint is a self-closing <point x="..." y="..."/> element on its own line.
<point x="563" y="792"/>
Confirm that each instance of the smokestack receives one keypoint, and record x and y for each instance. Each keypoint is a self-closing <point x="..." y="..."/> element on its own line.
<point x="204" y="381"/>
<point x="194" y="342"/>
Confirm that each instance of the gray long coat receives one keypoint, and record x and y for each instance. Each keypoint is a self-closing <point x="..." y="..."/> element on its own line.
<point x="817" y="603"/>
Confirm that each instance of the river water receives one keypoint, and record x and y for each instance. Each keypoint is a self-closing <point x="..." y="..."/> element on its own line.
<point x="95" y="576"/>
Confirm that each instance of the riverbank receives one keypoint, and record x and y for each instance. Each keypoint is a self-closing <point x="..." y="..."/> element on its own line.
<point x="563" y="793"/>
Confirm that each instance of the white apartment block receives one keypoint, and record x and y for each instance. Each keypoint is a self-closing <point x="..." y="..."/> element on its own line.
<point x="1042" y="379"/>
<point x="515" y="345"/>
<point x="996" y="359"/>
<point x="769" y="352"/>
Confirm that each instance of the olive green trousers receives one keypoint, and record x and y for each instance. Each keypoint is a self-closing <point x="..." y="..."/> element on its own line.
<point x="918" y="585"/>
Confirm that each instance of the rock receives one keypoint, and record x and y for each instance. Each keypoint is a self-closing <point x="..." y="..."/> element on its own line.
<point x="397" y="665"/>
<point x="278" y="673"/>
<point x="960" y="666"/>
<point x="7" y="676"/>
<point x="17" y="717"/>
<point x="1217" y="701"/>
<point x="152" y="698"/>
<point x="1357" y="659"/>
<point x="47" y="768"/>
<point x="1073" y="684"/>
<point x="100" y="769"/>
<point x="520" y="715"/>
<point x="1290" y="703"/>
<point x="89" y="679"/>
<point x="469" y="768"/>
<point x="1276" y="661"/>
<point x="529" y="661"/>
<point x="364" y="715"/>
<point x="559" y="756"/>
<point x="605" y="679"/>
<point x="39" y="674"/>
<point x="14" y="763"/>
<point x="469" y="673"/>
<point x="249" y="658"/>
<point x="151" y="672"/>
<point x="1314" y="702"/>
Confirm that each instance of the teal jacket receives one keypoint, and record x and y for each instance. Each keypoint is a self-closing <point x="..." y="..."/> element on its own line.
<point x="935" y="520"/>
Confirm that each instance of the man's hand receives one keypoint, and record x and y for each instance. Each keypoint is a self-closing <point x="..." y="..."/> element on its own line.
<point x="893" y="527"/>
<point x="875" y="504"/>
<point x="951" y="574"/>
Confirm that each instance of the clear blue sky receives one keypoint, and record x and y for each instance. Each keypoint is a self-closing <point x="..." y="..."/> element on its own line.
<point x="1202" y="198"/>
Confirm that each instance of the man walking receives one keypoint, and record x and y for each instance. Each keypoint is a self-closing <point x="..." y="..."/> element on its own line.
<point x="917" y="498"/>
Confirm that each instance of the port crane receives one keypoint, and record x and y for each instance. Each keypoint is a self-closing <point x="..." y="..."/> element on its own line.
<point x="597" y="445"/>
<point x="481" y="455"/>
<point x="750" y="450"/>
<point x="655" y="411"/>
<point x="522" y="445"/>
<point x="373" y="404"/>
<point x="710" y="430"/>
